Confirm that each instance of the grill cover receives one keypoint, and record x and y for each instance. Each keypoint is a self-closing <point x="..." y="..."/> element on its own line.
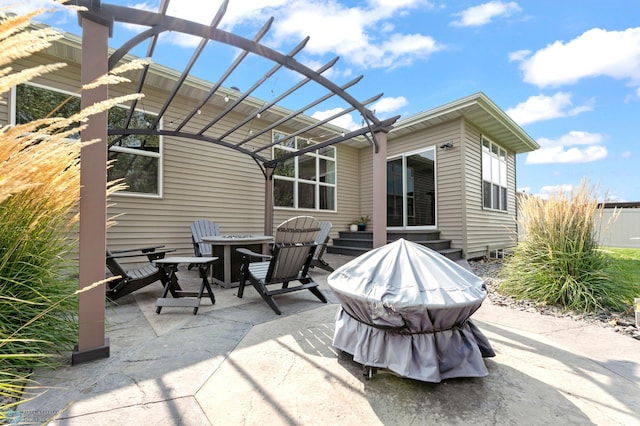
<point x="406" y="308"/>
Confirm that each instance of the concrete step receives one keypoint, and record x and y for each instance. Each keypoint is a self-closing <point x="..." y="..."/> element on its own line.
<point x="359" y="242"/>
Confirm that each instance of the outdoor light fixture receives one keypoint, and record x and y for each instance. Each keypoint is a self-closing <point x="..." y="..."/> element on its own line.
<point x="226" y="98"/>
<point x="447" y="145"/>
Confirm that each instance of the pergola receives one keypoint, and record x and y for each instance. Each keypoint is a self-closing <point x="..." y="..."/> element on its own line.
<point x="97" y="23"/>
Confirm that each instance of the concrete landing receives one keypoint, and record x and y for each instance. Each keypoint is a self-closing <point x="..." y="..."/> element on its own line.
<point x="238" y="363"/>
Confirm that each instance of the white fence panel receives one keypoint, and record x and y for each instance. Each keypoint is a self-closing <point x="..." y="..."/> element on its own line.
<point x="624" y="231"/>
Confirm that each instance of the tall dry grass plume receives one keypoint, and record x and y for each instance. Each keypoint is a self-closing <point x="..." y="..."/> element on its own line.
<point x="39" y="194"/>
<point x="557" y="260"/>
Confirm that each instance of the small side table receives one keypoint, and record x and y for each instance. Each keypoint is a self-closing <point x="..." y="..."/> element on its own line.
<point x="184" y="299"/>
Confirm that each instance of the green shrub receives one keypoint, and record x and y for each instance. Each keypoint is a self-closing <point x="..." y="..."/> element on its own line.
<point x="558" y="262"/>
<point x="39" y="193"/>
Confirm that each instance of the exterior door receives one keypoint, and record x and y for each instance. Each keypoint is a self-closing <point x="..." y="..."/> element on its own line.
<point x="411" y="190"/>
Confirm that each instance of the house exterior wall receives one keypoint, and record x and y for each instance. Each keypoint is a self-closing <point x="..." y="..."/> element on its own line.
<point x="204" y="180"/>
<point x="449" y="175"/>
<point x="348" y="194"/>
<point x="486" y="230"/>
<point x="200" y="180"/>
<point x="461" y="217"/>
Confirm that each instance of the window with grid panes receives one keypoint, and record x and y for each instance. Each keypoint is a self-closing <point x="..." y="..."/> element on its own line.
<point x="307" y="181"/>
<point x="137" y="157"/>
<point x="494" y="176"/>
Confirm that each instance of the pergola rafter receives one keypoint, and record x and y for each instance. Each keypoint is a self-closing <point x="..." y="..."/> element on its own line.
<point x="160" y="22"/>
<point x="97" y="21"/>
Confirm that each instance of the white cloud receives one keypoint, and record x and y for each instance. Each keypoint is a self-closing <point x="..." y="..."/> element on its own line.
<point x="483" y="14"/>
<point x="382" y="108"/>
<point x="594" y="53"/>
<point x="573" y="147"/>
<point x="548" y="190"/>
<point x="354" y="33"/>
<point x="389" y="105"/>
<point x="203" y="11"/>
<point x="614" y="198"/>
<point x="626" y="154"/>
<point x="48" y="7"/>
<point x="542" y="107"/>
<point x="22" y="7"/>
<point x="345" y="121"/>
<point x="359" y="39"/>
<point x="519" y="55"/>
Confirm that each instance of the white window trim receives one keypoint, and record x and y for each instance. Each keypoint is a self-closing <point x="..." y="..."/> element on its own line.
<point x="159" y="154"/>
<point x="482" y="180"/>
<point x="404" y="156"/>
<point x="317" y="183"/>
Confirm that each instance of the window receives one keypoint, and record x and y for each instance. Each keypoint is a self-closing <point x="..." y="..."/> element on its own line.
<point x="494" y="176"/>
<point x="411" y="189"/>
<point x="137" y="157"/>
<point x="307" y="181"/>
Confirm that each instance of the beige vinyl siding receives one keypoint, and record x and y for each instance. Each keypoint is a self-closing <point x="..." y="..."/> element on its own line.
<point x="450" y="175"/>
<point x="66" y="79"/>
<point x="5" y="108"/>
<point x="348" y="199"/>
<point x="365" y="206"/>
<point x="201" y="180"/>
<point x="486" y="229"/>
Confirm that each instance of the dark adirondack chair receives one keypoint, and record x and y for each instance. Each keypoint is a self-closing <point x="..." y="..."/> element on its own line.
<point x="322" y="240"/>
<point x="293" y="249"/>
<point x="134" y="279"/>
<point x="203" y="228"/>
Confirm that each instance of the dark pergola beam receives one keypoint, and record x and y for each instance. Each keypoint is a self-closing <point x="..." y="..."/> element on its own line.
<point x="126" y="47"/>
<point x="257" y="84"/>
<point x="143" y="17"/>
<point x="278" y="99"/>
<point x="382" y="126"/>
<point x="192" y="61"/>
<point x="184" y="135"/>
<point x="297" y="112"/>
<point x="318" y="123"/>
<point x="263" y="31"/>
<point x="116" y="56"/>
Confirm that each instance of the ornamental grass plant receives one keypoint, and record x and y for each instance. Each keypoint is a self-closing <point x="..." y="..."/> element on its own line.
<point x="39" y="194"/>
<point x="558" y="261"/>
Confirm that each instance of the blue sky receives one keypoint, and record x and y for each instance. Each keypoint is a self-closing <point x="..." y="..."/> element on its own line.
<point x="567" y="71"/>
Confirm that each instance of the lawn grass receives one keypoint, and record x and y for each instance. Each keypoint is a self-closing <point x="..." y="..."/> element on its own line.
<point x="627" y="263"/>
<point x="558" y="261"/>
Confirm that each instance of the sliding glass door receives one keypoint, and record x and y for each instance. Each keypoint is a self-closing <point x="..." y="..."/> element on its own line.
<point x="411" y="190"/>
